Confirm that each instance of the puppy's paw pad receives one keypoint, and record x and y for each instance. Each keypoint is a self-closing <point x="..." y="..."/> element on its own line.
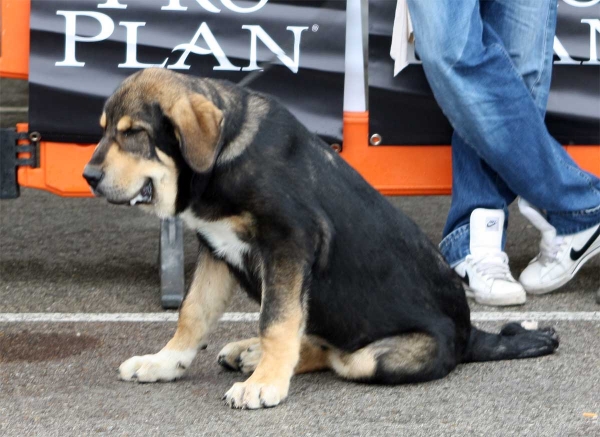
<point x="226" y="363"/>
<point x="128" y="369"/>
<point x="234" y="396"/>
<point x="552" y="335"/>
<point x="230" y="357"/>
<point x="249" y="359"/>
<point x="252" y="396"/>
<point x="163" y="366"/>
<point x="269" y="396"/>
<point x="530" y="325"/>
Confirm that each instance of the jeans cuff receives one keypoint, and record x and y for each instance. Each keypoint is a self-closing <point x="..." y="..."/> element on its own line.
<point x="567" y="223"/>
<point x="456" y="245"/>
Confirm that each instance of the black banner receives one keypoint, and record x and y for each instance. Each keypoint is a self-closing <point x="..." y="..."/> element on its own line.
<point x="403" y="111"/>
<point x="82" y="49"/>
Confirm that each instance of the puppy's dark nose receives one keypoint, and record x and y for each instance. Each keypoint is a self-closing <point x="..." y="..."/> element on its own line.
<point x="93" y="175"/>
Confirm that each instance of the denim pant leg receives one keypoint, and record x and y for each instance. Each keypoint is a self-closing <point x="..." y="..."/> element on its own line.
<point x="474" y="183"/>
<point x="527" y="30"/>
<point x="484" y="95"/>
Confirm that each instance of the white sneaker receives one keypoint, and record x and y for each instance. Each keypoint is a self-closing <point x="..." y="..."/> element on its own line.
<point x="560" y="257"/>
<point x="485" y="272"/>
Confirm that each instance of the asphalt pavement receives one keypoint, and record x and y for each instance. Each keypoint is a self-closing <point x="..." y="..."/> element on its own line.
<point x="82" y="256"/>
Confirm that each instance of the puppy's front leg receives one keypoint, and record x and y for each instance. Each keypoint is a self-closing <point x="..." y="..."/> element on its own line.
<point x="281" y="329"/>
<point x="205" y="302"/>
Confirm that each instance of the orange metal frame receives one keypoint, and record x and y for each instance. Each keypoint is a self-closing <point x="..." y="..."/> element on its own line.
<point x="406" y="170"/>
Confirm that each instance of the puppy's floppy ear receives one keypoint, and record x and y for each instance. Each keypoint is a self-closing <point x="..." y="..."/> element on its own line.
<point x="198" y="125"/>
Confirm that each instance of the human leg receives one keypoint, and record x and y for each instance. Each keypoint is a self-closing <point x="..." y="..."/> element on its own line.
<point x="493" y="85"/>
<point x="560" y="256"/>
<point x="491" y="107"/>
<point x="529" y="45"/>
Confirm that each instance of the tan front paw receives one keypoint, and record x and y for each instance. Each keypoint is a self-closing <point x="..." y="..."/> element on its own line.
<point x="166" y="365"/>
<point x="241" y="355"/>
<point x="251" y="396"/>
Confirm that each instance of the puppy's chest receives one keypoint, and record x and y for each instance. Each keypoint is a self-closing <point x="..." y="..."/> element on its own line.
<point x="221" y="236"/>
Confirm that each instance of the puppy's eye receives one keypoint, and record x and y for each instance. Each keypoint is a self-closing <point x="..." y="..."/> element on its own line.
<point x="131" y="132"/>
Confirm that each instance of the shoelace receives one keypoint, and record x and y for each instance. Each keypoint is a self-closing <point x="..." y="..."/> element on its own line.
<point x="493" y="265"/>
<point x="550" y="250"/>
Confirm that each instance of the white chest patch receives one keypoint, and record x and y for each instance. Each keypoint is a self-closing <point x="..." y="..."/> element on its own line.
<point x="221" y="236"/>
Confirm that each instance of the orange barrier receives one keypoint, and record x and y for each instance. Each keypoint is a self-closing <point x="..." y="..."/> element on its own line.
<point x="14" y="27"/>
<point x="61" y="166"/>
<point x="417" y="170"/>
<point x="393" y="170"/>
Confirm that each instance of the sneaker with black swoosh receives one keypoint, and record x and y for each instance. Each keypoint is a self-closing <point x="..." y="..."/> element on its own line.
<point x="485" y="271"/>
<point x="560" y="257"/>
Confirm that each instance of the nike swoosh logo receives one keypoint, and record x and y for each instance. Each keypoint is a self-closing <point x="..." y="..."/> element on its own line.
<point x="576" y="254"/>
<point x="465" y="278"/>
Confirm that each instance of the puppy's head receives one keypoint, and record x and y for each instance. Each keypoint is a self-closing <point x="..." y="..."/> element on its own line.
<point x="155" y="128"/>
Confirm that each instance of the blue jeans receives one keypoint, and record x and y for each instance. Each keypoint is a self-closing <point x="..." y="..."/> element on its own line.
<point x="489" y="64"/>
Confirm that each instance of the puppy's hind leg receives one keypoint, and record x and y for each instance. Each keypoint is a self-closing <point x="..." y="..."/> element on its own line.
<point x="513" y="342"/>
<point x="245" y="355"/>
<point x="205" y="302"/>
<point x="314" y="356"/>
<point x="406" y="358"/>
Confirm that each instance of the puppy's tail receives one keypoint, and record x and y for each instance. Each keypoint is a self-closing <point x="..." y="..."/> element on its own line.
<point x="514" y="342"/>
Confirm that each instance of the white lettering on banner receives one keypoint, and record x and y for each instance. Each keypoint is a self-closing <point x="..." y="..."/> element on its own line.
<point x="214" y="49"/>
<point x="561" y="52"/>
<point x="71" y="37"/>
<point x="257" y="32"/>
<point x="131" y="51"/>
<point x="112" y="4"/>
<point x="175" y="5"/>
<point x="594" y="30"/>
<point x="232" y="7"/>
<point x="582" y="3"/>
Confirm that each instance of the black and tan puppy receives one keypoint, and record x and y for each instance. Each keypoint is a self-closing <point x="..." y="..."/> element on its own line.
<point x="345" y="281"/>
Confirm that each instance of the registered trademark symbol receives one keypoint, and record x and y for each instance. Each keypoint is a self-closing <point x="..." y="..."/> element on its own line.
<point x="315" y="27"/>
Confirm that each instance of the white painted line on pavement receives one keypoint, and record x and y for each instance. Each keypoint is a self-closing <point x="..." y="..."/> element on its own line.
<point x="88" y="317"/>
<point x="113" y="317"/>
<point x="483" y="316"/>
<point x="13" y="109"/>
<point x="582" y="316"/>
<point x="239" y="317"/>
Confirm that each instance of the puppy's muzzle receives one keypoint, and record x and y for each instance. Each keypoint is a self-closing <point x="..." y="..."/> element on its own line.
<point x="93" y="175"/>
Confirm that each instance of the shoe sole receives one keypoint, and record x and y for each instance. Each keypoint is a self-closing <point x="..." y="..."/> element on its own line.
<point x="503" y="301"/>
<point x="563" y="280"/>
